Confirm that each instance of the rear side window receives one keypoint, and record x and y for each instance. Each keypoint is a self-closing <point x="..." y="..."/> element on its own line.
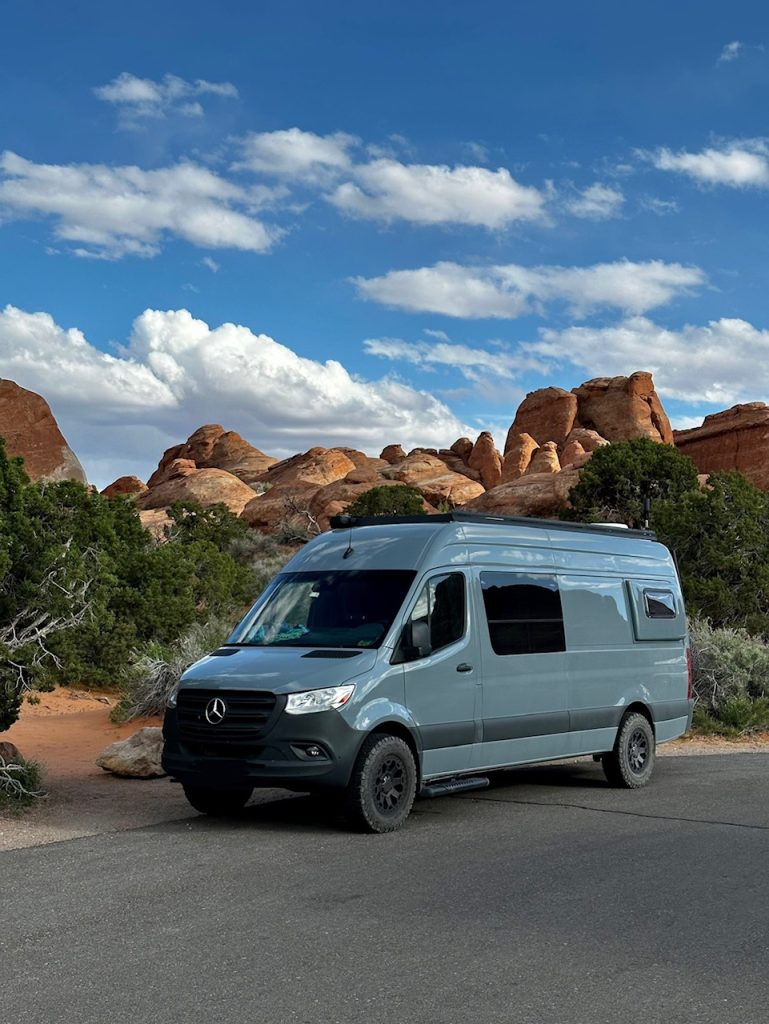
<point x="659" y="604"/>
<point x="523" y="612"/>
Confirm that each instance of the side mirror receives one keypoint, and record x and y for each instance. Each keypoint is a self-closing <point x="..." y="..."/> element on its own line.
<point x="414" y="643"/>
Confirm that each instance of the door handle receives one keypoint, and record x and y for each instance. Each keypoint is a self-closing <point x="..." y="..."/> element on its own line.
<point x="464" y="667"/>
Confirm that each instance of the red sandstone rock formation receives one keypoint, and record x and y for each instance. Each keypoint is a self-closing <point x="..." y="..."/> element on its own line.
<point x="736" y="439"/>
<point x="205" y="486"/>
<point x="213" y="447"/>
<point x="548" y="414"/>
<point x="30" y="430"/>
<point x="519" y="453"/>
<point x="485" y="460"/>
<point x="540" y="494"/>
<point x="125" y="487"/>
<point x="623" y="408"/>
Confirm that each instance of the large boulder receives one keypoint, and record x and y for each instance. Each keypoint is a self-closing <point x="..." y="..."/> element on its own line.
<point x="333" y="499"/>
<point x="546" y="415"/>
<point x="486" y="460"/>
<point x="319" y="466"/>
<point x="213" y="447"/>
<point x="125" y="487"/>
<point x="137" y="757"/>
<point x="9" y="752"/>
<point x="30" y="430"/>
<point x="623" y="408"/>
<point x="436" y="483"/>
<point x="736" y="439"/>
<point x="518" y="456"/>
<point x="283" y="503"/>
<point x="205" y="486"/>
<point x="392" y="453"/>
<point x="542" y="495"/>
<point x="545" y="460"/>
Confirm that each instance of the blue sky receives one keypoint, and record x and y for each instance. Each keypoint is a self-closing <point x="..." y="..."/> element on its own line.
<point x="414" y="213"/>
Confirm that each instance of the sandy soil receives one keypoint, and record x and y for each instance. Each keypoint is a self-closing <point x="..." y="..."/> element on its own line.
<point x="65" y="733"/>
<point x="68" y="729"/>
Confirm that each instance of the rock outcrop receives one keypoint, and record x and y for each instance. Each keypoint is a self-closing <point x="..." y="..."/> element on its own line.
<point x="539" y="494"/>
<point x="548" y="414"/>
<point x="736" y="439"/>
<point x="544" y="460"/>
<point x="31" y="431"/>
<point x="623" y="408"/>
<point x="213" y="447"/>
<point x="137" y="757"/>
<point x="518" y="455"/>
<point x="486" y="460"/>
<point x="125" y="487"/>
<point x="436" y="483"/>
<point x="205" y="486"/>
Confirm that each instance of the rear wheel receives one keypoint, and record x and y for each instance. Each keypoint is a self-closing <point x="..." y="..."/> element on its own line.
<point x="631" y="763"/>
<point x="219" y="803"/>
<point x="383" y="785"/>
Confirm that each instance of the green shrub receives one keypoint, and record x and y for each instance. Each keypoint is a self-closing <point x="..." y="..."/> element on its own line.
<point x="397" y="500"/>
<point x="19" y="783"/>
<point x="614" y="483"/>
<point x="156" y="668"/>
<point x="728" y="665"/>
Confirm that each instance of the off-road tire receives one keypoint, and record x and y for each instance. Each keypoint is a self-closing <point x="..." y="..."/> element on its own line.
<point x="631" y="763"/>
<point x="218" y="803"/>
<point x="382" y="786"/>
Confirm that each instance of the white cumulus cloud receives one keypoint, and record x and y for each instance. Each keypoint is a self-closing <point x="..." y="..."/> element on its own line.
<point x="427" y="194"/>
<point x="114" y="211"/>
<point x="120" y="411"/>
<point x="293" y="153"/>
<point x="722" y="362"/>
<point x="597" y="202"/>
<point x="730" y="52"/>
<point x="142" y="98"/>
<point x="739" y="164"/>
<point x="509" y="290"/>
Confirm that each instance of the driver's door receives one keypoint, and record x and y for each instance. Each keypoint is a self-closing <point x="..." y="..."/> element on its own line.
<point x="443" y="676"/>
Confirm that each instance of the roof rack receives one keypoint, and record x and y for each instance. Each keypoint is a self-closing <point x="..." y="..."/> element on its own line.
<point x="343" y="522"/>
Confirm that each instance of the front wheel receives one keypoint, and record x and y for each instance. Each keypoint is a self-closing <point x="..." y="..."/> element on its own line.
<point x="383" y="785"/>
<point x="219" y="803"/>
<point x="631" y="763"/>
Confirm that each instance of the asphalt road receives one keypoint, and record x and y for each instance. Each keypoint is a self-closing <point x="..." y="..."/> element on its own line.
<point x="547" y="899"/>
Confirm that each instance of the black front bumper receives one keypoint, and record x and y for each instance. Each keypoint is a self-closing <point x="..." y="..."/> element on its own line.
<point x="282" y="757"/>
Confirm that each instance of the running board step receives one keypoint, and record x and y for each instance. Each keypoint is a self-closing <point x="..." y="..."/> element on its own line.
<point x="452" y="786"/>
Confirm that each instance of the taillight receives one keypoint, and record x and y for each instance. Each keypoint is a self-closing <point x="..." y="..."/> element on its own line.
<point x="690" y="671"/>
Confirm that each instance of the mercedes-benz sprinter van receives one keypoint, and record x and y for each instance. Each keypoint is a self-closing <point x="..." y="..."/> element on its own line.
<point x="394" y="657"/>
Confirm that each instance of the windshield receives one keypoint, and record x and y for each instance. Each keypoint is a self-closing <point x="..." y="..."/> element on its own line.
<point x="326" y="609"/>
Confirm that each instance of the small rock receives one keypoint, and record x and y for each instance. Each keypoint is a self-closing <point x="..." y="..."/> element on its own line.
<point x="9" y="752"/>
<point x="137" y="757"/>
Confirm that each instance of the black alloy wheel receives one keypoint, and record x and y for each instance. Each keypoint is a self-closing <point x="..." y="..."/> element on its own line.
<point x="383" y="785"/>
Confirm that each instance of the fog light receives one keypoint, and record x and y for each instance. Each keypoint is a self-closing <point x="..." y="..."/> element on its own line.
<point x="314" y="751"/>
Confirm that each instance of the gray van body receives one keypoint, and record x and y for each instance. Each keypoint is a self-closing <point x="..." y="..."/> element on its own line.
<point x="465" y="708"/>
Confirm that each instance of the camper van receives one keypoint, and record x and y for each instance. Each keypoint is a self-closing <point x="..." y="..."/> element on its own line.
<point x="402" y="657"/>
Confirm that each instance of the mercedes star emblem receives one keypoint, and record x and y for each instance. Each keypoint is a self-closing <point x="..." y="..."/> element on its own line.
<point x="216" y="709"/>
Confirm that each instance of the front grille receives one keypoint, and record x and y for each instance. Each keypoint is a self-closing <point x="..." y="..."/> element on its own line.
<point x="248" y="715"/>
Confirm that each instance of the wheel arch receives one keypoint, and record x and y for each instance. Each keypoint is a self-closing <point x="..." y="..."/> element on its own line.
<point x="642" y="709"/>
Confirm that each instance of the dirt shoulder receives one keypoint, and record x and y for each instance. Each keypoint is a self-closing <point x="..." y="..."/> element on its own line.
<point x="68" y="729"/>
<point x="65" y="733"/>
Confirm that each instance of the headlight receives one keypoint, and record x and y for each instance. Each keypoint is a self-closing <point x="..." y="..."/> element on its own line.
<point x="172" y="697"/>
<point x="319" y="700"/>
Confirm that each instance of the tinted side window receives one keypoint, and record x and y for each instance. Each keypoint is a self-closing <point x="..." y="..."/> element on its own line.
<point x="660" y="604"/>
<point x="441" y="606"/>
<point x="523" y="612"/>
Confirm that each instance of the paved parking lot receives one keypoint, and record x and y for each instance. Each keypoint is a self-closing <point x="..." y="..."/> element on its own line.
<point x="547" y="899"/>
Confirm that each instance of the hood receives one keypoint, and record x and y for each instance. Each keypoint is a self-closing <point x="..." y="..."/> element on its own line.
<point x="279" y="669"/>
